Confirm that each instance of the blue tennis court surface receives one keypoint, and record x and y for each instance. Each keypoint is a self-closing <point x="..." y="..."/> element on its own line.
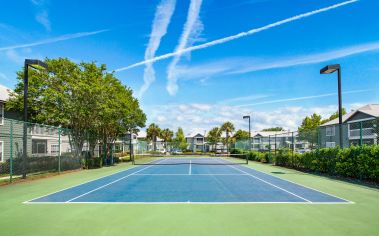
<point x="189" y="183"/>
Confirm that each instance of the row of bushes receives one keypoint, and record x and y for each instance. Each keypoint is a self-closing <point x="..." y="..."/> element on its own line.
<point x="360" y="162"/>
<point x="40" y="164"/>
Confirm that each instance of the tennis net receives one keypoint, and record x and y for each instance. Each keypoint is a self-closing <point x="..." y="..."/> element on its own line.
<point x="214" y="159"/>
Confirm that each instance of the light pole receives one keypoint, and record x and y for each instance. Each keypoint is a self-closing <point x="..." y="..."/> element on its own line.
<point x="248" y="117"/>
<point x="328" y="70"/>
<point x="36" y="64"/>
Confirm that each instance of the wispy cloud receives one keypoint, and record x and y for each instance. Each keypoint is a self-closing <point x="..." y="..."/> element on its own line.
<point x="192" y="29"/>
<point x="245" y="98"/>
<point x="240" y="65"/>
<point x="302" y="98"/>
<point x="161" y="21"/>
<point x="312" y="59"/>
<point x="42" y="15"/>
<point x="53" y="40"/>
<point x="43" y="18"/>
<point x="237" y="36"/>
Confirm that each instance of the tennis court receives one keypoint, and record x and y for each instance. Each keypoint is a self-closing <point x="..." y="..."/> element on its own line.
<point x="208" y="180"/>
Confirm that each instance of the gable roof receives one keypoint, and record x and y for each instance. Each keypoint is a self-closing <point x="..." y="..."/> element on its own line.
<point x="369" y="109"/>
<point x="4" y="93"/>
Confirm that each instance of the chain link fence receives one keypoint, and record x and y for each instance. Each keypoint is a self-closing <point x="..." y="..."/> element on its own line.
<point x="48" y="149"/>
<point x="355" y="133"/>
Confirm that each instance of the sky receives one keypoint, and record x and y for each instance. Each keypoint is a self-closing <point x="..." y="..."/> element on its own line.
<point x="199" y="63"/>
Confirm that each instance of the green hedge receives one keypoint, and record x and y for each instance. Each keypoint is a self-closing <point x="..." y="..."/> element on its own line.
<point x="354" y="162"/>
<point x="41" y="164"/>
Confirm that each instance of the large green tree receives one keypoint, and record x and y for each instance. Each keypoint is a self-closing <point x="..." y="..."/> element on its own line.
<point x="83" y="97"/>
<point x="228" y="128"/>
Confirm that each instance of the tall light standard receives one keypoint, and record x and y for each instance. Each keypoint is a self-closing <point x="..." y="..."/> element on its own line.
<point x="248" y="117"/>
<point x="36" y="64"/>
<point x="328" y="70"/>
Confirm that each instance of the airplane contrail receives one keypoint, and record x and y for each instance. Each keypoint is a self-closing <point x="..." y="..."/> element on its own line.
<point x="53" y="40"/>
<point x="237" y="36"/>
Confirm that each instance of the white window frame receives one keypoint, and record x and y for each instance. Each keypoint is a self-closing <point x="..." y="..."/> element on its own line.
<point x="53" y="147"/>
<point x="2" y="151"/>
<point x="333" y="129"/>
<point x="330" y="144"/>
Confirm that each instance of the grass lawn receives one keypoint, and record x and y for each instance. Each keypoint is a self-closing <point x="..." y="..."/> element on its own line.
<point x="360" y="218"/>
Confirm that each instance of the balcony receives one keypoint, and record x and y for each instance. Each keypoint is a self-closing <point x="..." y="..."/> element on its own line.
<point x="366" y="133"/>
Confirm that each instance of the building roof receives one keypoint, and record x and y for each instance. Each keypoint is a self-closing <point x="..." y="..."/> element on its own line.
<point x="4" y="93"/>
<point x="195" y="133"/>
<point x="267" y="133"/>
<point x="369" y="109"/>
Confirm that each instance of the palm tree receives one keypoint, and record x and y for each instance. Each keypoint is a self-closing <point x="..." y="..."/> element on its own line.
<point x="152" y="133"/>
<point x="166" y="135"/>
<point x="227" y="127"/>
<point x="214" y="136"/>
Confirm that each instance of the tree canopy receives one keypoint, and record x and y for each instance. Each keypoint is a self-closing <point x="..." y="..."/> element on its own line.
<point x="274" y="129"/>
<point x="241" y="135"/>
<point x="83" y="97"/>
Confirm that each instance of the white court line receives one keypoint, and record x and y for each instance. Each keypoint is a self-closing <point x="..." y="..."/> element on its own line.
<point x="190" y="174"/>
<point x="189" y="202"/>
<point x="89" y="181"/>
<point x="300" y="185"/>
<point x="115" y="181"/>
<point x="255" y="177"/>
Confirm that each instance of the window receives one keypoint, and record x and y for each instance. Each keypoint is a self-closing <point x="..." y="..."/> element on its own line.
<point x="330" y="131"/>
<point x="54" y="149"/>
<point x="330" y="144"/>
<point x="1" y="151"/>
<point x="1" y="113"/>
<point x="39" y="146"/>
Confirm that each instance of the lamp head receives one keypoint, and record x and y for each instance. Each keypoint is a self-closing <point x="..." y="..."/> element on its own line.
<point x="36" y="64"/>
<point x="330" y="69"/>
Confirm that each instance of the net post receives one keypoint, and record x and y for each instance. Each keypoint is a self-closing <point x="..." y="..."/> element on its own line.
<point x="11" y="152"/>
<point x="59" y="150"/>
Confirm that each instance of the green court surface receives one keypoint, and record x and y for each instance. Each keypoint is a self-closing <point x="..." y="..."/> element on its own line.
<point x="360" y="218"/>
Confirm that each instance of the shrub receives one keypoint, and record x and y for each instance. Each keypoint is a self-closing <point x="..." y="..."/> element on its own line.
<point x="355" y="162"/>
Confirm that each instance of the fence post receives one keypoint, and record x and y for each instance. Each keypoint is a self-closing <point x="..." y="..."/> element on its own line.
<point x="360" y="133"/>
<point x="293" y="144"/>
<point x="269" y="144"/>
<point x="11" y="153"/>
<point x="59" y="150"/>
<point x="275" y="145"/>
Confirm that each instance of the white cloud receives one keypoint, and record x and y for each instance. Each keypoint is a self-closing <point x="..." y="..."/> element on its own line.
<point x="53" y="40"/>
<point x="191" y="31"/>
<point x="197" y="119"/>
<point x="42" y="15"/>
<point x="161" y="21"/>
<point x="237" y="36"/>
<point x="43" y="18"/>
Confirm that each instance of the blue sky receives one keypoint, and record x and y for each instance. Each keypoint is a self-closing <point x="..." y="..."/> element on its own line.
<point x="221" y="59"/>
